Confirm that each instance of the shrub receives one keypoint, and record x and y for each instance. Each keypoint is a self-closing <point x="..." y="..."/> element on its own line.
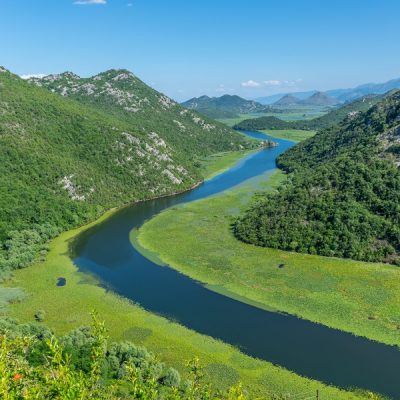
<point x="39" y="315"/>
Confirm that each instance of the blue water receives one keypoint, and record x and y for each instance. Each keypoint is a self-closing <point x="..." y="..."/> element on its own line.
<point x="304" y="347"/>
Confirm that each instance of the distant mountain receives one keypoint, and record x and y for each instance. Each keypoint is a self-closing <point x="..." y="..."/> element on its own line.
<point x="342" y="95"/>
<point x="71" y="147"/>
<point x="336" y="115"/>
<point x="287" y="100"/>
<point x="226" y="106"/>
<point x="268" y="100"/>
<point x="319" y="99"/>
<point x="363" y="90"/>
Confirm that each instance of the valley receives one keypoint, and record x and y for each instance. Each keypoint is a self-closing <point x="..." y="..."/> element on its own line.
<point x="88" y="288"/>
<point x="199" y="200"/>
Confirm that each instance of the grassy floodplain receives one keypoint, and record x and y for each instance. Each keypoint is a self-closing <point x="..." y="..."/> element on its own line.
<point x="295" y="135"/>
<point x="357" y="297"/>
<point x="220" y="162"/>
<point x="68" y="307"/>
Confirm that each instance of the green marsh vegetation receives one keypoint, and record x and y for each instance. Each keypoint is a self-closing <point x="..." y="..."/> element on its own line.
<point x="352" y="160"/>
<point x="220" y="162"/>
<point x="290" y="134"/>
<point x="357" y="297"/>
<point x="224" y="365"/>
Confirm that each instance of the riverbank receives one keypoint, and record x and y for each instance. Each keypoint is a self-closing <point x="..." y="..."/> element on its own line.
<point x="68" y="307"/>
<point x="290" y="134"/>
<point x="218" y="163"/>
<point x="356" y="297"/>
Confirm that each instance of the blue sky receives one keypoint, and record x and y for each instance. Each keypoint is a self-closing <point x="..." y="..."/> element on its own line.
<point x="192" y="47"/>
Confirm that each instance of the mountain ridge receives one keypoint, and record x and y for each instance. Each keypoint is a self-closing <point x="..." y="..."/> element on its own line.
<point x="67" y="158"/>
<point x="225" y="106"/>
<point x="343" y="95"/>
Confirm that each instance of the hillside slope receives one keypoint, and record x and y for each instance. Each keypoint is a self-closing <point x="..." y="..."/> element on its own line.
<point x="121" y="94"/>
<point x="343" y="198"/>
<point x="333" y="117"/>
<point x="64" y="162"/>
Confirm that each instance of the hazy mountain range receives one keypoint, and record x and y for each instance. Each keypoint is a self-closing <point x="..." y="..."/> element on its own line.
<point x="226" y="106"/>
<point x="342" y="95"/>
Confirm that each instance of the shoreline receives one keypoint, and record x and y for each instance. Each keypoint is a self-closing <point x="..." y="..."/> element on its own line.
<point x="126" y="320"/>
<point x="149" y="237"/>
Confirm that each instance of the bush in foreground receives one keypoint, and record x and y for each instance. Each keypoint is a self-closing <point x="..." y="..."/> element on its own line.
<point x="34" y="364"/>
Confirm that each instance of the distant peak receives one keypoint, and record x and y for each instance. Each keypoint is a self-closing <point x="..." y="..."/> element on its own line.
<point x="113" y="73"/>
<point x="70" y="75"/>
<point x="56" y="77"/>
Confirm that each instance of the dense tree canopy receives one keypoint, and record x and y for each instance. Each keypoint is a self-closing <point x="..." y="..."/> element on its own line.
<point x="342" y="197"/>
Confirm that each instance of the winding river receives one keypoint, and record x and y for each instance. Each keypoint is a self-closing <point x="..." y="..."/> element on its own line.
<point x="309" y="349"/>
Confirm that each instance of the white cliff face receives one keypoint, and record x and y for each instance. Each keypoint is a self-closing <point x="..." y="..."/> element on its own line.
<point x="166" y="102"/>
<point x="153" y="153"/>
<point x="172" y="177"/>
<point x="180" y="125"/>
<point x="70" y="187"/>
<point x="198" y="121"/>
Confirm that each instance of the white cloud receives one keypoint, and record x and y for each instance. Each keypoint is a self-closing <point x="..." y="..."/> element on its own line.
<point x="88" y="2"/>
<point x="223" y="89"/>
<point x="250" y="83"/>
<point x="29" y="76"/>
<point x="273" y="82"/>
<point x="284" y="83"/>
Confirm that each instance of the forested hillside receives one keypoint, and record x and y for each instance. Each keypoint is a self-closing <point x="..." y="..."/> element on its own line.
<point x="121" y="94"/>
<point x="64" y="162"/>
<point x="331" y="118"/>
<point x="343" y="196"/>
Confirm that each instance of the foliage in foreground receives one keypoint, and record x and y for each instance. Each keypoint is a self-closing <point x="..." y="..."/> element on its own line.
<point x="84" y="365"/>
<point x="343" y="198"/>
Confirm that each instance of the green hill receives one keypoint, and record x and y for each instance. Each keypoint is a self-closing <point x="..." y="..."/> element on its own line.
<point x="65" y="161"/>
<point x="121" y="94"/>
<point x="319" y="99"/>
<point x="287" y="100"/>
<point x="333" y="117"/>
<point x="343" y="197"/>
<point x="226" y="106"/>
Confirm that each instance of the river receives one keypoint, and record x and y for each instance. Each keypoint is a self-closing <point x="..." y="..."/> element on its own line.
<point x="309" y="349"/>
